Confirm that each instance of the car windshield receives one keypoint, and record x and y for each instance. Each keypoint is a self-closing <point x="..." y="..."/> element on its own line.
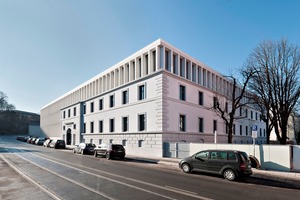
<point x="90" y="145"/>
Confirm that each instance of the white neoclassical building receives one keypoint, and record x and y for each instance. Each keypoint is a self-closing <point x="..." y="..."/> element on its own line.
<point x="159" y="94"/>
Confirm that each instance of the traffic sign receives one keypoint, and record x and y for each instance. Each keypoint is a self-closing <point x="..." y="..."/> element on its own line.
<point x="254" y="131"/>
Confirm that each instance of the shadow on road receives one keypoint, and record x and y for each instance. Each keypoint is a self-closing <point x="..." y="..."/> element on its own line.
<point x="15" y="150"/>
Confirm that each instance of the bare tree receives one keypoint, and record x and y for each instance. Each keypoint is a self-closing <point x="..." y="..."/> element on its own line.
<point x="276" y="82"/>
<point x="6" y="114"/>
<point x="4" y="105"/>
<point x="236" y="98"/>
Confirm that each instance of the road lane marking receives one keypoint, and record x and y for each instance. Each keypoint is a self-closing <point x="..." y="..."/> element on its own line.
<point x="93" y="174"/>
<point x="186" y="191"/>
<point x="52" y="159"/>
<point x="70" y="180"/>
<point x="47" y="191"/>
<point x="123" y="177"/>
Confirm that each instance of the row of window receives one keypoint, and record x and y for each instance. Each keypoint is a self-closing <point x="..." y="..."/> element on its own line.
<point x="125" y="124"/>
<point x="182" y="125"/>
<point x="125" y="100"/>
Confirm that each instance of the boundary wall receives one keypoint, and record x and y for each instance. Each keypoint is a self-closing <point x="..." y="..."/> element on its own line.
<point x="271" y="157"/>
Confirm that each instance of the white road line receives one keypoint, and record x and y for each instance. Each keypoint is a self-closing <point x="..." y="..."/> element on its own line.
<point x="123" y="177"/>
<point x="91" y="189"/>
<point x="167" y="188"/>
<point x="70" y="180"/>
<point x="47" y="191"/>
<point x="174" y="188"/>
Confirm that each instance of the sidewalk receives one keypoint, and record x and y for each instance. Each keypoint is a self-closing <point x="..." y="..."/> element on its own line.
<point x="285" y="177"/>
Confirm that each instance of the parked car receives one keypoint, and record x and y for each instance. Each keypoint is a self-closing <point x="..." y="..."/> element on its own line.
<point x="229" y="163"/>
<point x="40" y="142"/>
<point x="57" y="144"/>
<point x="110" y="151"/>
<point x="84" y="148"/>
<point x="32" y="141"/>
<point x="47" y="142"/>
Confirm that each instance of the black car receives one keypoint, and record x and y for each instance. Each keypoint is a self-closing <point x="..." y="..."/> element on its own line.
<point x="57" y="144"/>
<point x="110" y="151"/>
<point x="84" y="148"/>
<point x="229" y="163"/>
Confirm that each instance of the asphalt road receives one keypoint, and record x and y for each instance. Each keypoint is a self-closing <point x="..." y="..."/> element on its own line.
<point x="61" y="174"/>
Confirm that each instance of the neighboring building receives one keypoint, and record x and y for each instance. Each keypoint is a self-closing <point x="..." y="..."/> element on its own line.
<point x="293" y="130"/>
<point x="159" y="94"/>
<point x="17" y="121"/>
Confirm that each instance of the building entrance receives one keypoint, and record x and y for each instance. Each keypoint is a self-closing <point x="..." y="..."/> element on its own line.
<point x="69" y="137"/>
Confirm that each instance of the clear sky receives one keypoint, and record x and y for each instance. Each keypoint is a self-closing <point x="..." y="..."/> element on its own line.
<point x="49" y="47"/>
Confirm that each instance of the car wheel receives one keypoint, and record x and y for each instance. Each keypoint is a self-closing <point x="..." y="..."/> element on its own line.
<point x="229" y="174"/>
<point x="81" y="152"/>
<point x="95" y="154"/>
<point x="186" y="168"/>
<point x="74" y="151"/>
<point x="107" y="155"/>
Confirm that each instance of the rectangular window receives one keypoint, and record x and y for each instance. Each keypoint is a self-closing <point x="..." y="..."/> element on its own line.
<point x="181" y="70"/>
<point x="215" y="102"/>
<point x="200" y="125"/>
<point x="142" y="122"/>
<point x="101" y="104"/>
<point x="251" y="114"/>
<point x="111" y="101"/>
<point x="233" y="129"/>
<point x="182" y="123"/>
<point x="246" y="129"/>
<point x="241" y="130"/>
<point x="101" y="126"/>
<point x="175" y="64"/>
<point x="260" y="132"/>
<point x="84" y="109"/>
<point x="125" y="97"/>
<point x="74" y="111"/>
<point x="201" y="98"/>
<point x="167" y="65"/>
<point x="92" y="107"/>
<point x="112" y="125"/>
<point x="226" y="107"/>
<point x="142" y="92"/>
<point x="256" y="116"/>
<point x="125" y="124"/>
<point x="215" y="128"/>
<point x="241" y="110"/>
<point x="69" y="113"/>
<point x="84" y="127"/>
<point x="182" y="92"/>
<point x="140" y="143"/>
<point x="64" y="114"/>
<point x="92" y="127"/>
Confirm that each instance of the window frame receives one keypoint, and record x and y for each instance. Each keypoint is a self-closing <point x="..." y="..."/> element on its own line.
<point x="183" y="127"/>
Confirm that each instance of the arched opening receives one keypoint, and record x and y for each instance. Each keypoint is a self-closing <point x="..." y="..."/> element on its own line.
<point x="69" y="137"/>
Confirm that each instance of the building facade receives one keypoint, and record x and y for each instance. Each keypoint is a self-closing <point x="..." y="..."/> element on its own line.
<point x="159" y="94"/>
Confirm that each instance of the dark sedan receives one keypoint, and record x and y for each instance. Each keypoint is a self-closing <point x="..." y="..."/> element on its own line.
<point x="84" y="148"/>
